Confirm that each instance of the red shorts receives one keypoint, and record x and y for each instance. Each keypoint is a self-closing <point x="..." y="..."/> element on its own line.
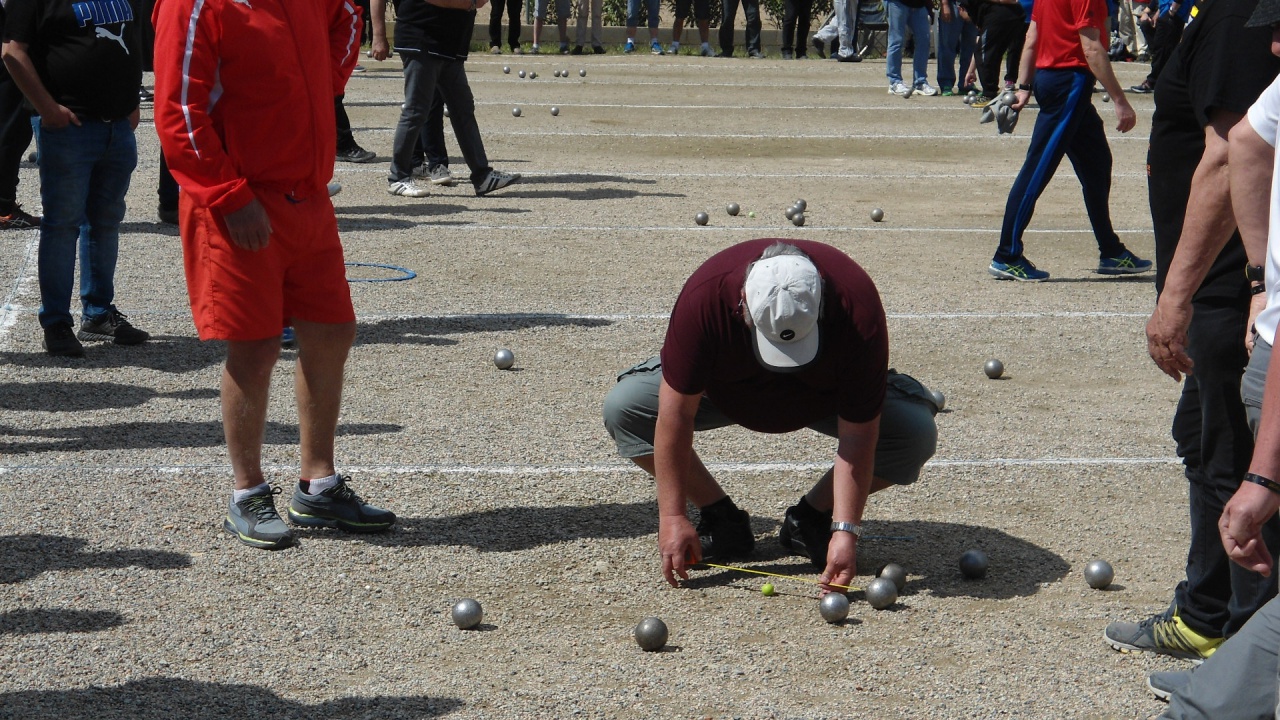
<point x="239" y="294"/>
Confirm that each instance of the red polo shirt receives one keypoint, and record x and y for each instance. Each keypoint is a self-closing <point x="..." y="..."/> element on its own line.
<point x="1058" y="26"/>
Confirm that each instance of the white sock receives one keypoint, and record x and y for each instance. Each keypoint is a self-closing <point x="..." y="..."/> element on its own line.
<point x="238" y="495"/>
<point x="319" y="485"/>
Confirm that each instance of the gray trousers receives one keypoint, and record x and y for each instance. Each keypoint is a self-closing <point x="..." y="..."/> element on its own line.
<point x="908" y="435"/>
<point x="1240" y="679"/>
<point x="422" y="75"/>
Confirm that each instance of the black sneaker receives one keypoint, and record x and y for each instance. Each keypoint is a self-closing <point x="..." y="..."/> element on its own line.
<point x="356" y="154"/>
<point x="849" y="58"/>
<point x="819" y="47"/>
<point x="1144" y="88"/>
<point x="806" y="534"/>
<point x="145" y="96"/>
<point x="725" y="533"/>
<point x="577" y="50"/>
<point x="338" y="507"/>
<point x="18" y="219"/>
<point x="168" y="216"/>
<point x="60" y="341"/>
<point x="255" y="522"/>
<point x="114" y="326"/>
<point x="495" y="180"/>
<point x="598" y="49"/>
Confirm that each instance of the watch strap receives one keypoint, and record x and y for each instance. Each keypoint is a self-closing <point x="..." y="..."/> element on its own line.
<point x="839" y="526"/>
<point x="1267" y="483"/>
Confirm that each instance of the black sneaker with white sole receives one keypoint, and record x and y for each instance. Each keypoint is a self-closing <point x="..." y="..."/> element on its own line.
<point x="338" y="507"/>
<point x="806" y="532"/>
<point x="112" y="325"/>
<point x="495" y="180"/>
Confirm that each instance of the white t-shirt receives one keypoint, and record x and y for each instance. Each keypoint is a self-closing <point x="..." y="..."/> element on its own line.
<point x="1264" y="116"/>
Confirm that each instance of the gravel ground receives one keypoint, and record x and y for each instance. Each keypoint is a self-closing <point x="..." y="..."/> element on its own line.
<point x="120" y="597"/>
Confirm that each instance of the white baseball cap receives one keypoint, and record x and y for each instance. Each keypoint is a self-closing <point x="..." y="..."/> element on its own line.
<point x="784" y="297"/>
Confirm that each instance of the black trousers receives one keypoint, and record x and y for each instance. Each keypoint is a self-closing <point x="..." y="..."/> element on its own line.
<point x="346" y="139"/>
<point x="1001" y="38"/>
<point x="513" y="8"/>
<point x="15" y="136"/>
<point x="1167" y="36"/>
<point x="796" y="20"/>
<point x="751" y="8"/>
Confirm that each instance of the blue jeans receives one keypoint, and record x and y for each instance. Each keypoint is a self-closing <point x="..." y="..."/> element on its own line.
<point x="633" y="13"/>
<point x="901" y="18"/>
<point x="84" y="175"/>
<point x="955" y="39"/>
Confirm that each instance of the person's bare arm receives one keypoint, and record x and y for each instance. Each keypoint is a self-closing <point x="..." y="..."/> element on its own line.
<point x="1205" y="231"/>
<point x="1251" y="159"/>
<point x="23" y="71"/>
<point x="378" y="17"/>
<point x="1095" y="53"/>
<point x="1026" y="67"/>
<point x="672" y="464"/>
<point x="851" y="486"/>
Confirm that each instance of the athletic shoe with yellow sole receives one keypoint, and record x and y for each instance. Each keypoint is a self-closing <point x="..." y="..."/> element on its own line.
<point x="338" y="507"/>
<point x="255" y="522"/>
<point x="1165" y="634"/>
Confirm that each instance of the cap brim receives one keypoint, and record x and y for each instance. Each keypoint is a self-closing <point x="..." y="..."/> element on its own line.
<point x="1265" y="15"/>
<point x="786" y="357"/>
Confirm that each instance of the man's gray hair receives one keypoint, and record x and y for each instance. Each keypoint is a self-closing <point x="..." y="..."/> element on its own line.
<point x="781" y="248"/>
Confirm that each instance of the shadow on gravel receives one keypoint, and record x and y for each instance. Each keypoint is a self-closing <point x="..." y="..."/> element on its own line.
<point x="347" y="225"/>
<point x="1147" y="279"/>
<point x="154" y="227"/>
<point x="49" y="620"/>
<point x="522" y="528"/>
<point x="405" y="208"/>
<point x="930" y="552"/>
<point x="582" y="178"/>
<point x="141" y="435"/>
<point x="593" y="194"/>
<point x="163" y="353"/>
<point x="163" y="698"/>
<point x="428" y="330"/>
<point x="71" y="396"/>
<point x="26" y="556"/>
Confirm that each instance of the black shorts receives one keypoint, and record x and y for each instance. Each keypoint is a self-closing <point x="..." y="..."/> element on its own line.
<point x="701" y="9"/>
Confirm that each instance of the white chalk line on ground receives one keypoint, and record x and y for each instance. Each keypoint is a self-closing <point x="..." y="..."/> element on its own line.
<point x="595" y="469"/>
<point x="617" y="317"/>
<point x="631" y="134"/>
<point x="756" y="229"/>
<point x="12" y="309"/>
<point x="379" y="168"/>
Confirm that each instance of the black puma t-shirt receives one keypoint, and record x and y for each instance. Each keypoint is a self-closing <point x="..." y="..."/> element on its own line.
<point x="86" y="52"/>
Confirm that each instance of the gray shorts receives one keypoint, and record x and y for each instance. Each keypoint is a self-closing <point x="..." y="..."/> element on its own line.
<point x="1255" y="378"/>
<point x="908" y="435"/>
<point x="1240" y="679"/>
<point x="564" y="9"/>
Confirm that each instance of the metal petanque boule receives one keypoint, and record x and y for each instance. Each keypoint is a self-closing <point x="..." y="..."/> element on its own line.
<point x="506" y="69"/>
<point x="521" y="73"/>
<point x="798" y="219"/>
<point x="504" y="359"/>
<point x="993" y="368"/>
<point x="1099" y="574"/>
<point x="974" y="564"/>
<point x="651" y="634"/>
<point x="732" y="209"/>
<point x="877" y="215"/>
<point x="555" y="111"/>
<point x="834" y="607"/>
<point x="881" y="593"/>
<point x="582" y="72"/>
<point x="801" y="205"/>
<point x="702" y="218"/>
<point x="515" y="112"/>
<point x="790" y="212"/>
<point x="939" y="399"/>
<point x="895" y="573"/>
<point x="466" y="613"/>
<point x="533" y="74"/>
<point x="556" y="72"/>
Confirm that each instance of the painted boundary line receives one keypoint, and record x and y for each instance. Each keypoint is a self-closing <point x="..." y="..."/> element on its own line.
<point x="599" y="469"/>
<point x="374" y="168"/>
<point x="12" y="310"/>
<point x="541" y="316"/>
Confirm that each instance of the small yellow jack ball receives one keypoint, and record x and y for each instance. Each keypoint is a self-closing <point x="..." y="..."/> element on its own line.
<point x="767" y="589"/>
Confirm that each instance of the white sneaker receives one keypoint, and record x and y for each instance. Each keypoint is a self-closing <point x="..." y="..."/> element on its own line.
<point x="924" y="88"/>
<point x="899" y="89"/>
<point x="407" y="188"/>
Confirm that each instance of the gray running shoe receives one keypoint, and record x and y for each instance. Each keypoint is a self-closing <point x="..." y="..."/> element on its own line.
<point x="1165" y="634"/>
<point x="256" y="523"/>
<point x="339" y="507"/>
<point x="1165" y="683"/>
<point x="112" y="325"/>
<point x="441" y="175"/>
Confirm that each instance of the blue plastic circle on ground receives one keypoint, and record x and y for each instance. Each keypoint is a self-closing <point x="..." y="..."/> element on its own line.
<point x="405" y="273"/>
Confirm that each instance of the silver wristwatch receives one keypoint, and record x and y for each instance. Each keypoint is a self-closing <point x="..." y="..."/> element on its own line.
<point x="847" y="527"/>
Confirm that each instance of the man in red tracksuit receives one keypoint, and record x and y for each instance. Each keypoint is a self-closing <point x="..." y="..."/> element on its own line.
<point x="244" y="111"/>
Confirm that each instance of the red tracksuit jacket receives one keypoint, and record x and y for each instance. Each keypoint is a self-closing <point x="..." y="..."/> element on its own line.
<point x="244" y="94"/>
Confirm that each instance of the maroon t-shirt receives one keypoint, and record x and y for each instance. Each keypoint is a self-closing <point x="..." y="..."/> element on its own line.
<point x="708" y="345"/>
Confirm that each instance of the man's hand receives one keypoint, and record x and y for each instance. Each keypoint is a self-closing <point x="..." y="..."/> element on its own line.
<point x="1167" y="337"/>
<point x="1257" y="304"/>
<point x="1021" y="98"/>
<point x="842" y="562"/>
<point x="249" y="227"/>
<point x="1126" y="118"/>
<point x="60" y="117"/>
<point x="1241" y="526"/>
<point x="381" y="50"/>
<point x="678" y="541"/>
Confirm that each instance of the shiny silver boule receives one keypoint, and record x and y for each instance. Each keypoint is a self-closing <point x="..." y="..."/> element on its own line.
<point x="1099" y="574"/>
<point x="515" y="112"/>
<point x="733" y="209"/>
<point x="651" y="634"/>
<point x="894" y="573"/>
<point x="801" y="205"/>
<point x="834" y="607"/>
<point x="994" y="368"/>
<point x="939" y="399"/>
<point x="702" y="218"/>
<point x="973" y="564"/>
<point x="798" y="219"/>
<point x="466" y="613"/>
<point x="877" y="215"/>
<point x="555" y="111"/>
<point x="504" y="359"/>
<point x="791" y="212"/>
<point x="881" y="593"/>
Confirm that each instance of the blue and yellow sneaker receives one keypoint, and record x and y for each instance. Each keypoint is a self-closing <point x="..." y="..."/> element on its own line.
<point x="1126" y="263"/>
<point x="1165" y="634"/>
<point x="1020" y="269"/>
